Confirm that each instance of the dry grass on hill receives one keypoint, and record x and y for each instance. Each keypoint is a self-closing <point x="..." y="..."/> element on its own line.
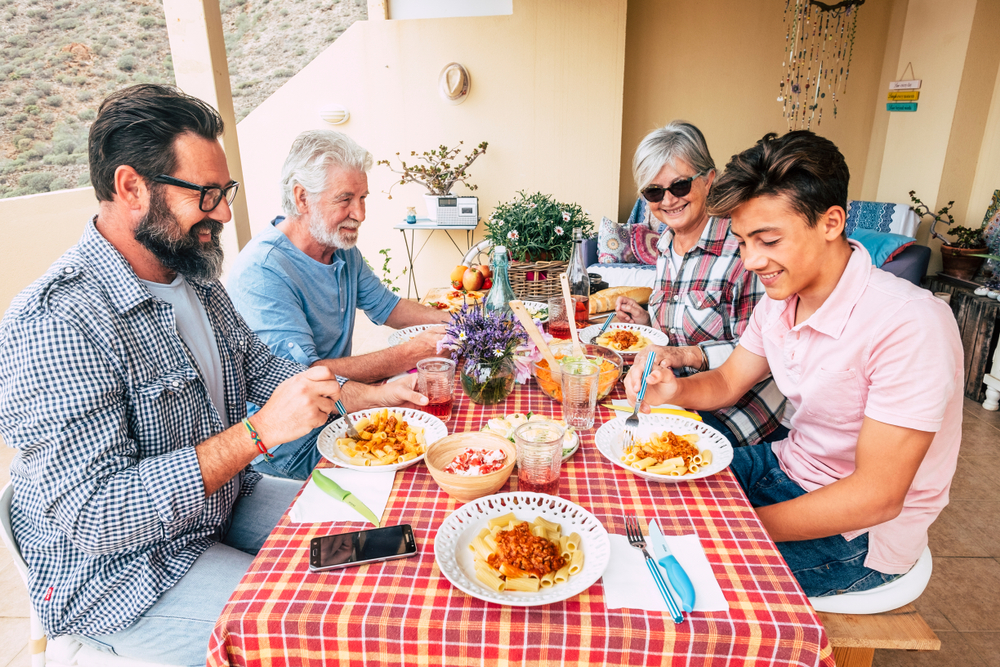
<point x="60" y="58"/>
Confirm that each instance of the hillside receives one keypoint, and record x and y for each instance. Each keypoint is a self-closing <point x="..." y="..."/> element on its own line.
<point x="60" y="58"/>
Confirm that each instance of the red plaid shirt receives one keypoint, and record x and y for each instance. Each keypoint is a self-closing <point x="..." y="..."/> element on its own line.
<point x="709" y="305"/>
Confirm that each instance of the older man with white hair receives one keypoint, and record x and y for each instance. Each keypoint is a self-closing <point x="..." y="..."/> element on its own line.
<point x="300" y="282"/>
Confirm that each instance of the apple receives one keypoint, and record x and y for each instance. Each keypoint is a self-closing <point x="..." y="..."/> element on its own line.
<point x="488" y="284"/>
<point x="473" y="280"/>
<point x="456" y="276"/>
<point x="485" y="270"/>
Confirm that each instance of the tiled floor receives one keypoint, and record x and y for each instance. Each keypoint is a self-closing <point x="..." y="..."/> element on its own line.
<point x="961" y="603"/>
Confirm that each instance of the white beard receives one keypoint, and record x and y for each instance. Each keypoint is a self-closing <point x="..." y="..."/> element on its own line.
<point x="344" y="239"/>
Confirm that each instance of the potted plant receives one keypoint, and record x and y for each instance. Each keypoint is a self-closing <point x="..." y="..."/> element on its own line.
<point x="436" y="171"/>
<point x="487" y="341"/>
<point x="962" y="256"/>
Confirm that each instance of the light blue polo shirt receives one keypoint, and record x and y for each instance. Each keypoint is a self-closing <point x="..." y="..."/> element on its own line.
<point x="302" y="309"/>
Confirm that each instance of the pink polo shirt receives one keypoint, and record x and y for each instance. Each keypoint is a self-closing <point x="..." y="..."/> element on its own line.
<point x="879" y="347"/>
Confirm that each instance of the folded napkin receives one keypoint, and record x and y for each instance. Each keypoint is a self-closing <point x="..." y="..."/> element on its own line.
<point x="628" y="582"/>
<point x="371" y="488"/>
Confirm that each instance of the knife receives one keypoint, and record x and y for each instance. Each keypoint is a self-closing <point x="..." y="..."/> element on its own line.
<point x="331" y="488"/>
<point x="679" y="580"/>
<point x="663" y="411"/>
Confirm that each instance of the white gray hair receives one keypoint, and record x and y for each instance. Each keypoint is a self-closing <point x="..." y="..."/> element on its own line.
<point x="313" y="154"/>
<point x="678" y="139"/>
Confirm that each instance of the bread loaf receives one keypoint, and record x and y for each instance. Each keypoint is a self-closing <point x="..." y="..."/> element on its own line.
<point x="604" y="301"/>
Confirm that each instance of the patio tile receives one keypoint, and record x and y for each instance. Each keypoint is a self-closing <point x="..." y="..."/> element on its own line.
<point x="986" y="415"/>
<point x="975" y="479"/>
<point x="979" y="438"/>
<point x="964" y="591"/>
<point x="6" y="456"/>
<point x="956" y="533"/>
<point x="955" y="650"/>
<point x="14" y="602"/>
<point x="22" y="659"/>
<point x="14" y="633"/>
<point x="987" y="645"/>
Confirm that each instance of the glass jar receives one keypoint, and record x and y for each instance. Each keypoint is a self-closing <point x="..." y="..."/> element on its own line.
<point x="488" y="383"/>
<point x="500" y="294"/>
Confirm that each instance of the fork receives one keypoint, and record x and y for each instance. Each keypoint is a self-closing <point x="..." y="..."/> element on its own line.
<point x="632" y="423"/>
<point x="634" y="534"/>
<point x="351" y="431"/>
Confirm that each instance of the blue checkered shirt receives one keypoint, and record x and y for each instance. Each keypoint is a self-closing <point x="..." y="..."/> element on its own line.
<point x="104" y="403"/>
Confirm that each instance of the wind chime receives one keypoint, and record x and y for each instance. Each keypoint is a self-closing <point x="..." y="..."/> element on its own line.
<point x="819" y="45"/>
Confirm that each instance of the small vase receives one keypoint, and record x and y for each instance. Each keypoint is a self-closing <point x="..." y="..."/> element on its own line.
<point x="488" y="384"/>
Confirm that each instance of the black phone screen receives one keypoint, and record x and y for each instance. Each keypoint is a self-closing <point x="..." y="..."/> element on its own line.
<point x="332" y="551"/>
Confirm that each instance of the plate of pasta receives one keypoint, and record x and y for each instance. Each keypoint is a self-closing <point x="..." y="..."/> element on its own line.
<point x="667" y="448"/>
<point x="624" y="338"/>
<point x="391" y="439"/>
<point x="400" y="336"/>
<point x="522" y="549"/>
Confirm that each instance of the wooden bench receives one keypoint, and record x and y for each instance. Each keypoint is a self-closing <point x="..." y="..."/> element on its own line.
<point x="855" y="637"/>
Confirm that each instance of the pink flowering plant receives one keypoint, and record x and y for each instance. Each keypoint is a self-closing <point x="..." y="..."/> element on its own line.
<point x="537" y="227"/>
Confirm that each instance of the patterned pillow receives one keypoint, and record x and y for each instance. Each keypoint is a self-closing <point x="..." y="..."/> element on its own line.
<point x="614" y="243"/>
<point x="644" y="242"/>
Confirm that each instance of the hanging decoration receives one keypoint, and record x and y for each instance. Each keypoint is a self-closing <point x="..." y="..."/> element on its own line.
<point x="819" y="43"/>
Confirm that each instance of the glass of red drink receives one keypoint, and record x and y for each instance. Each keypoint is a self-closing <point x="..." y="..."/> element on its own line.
<point x="558" y="324"/>
<point x="436" y="381"/>
<point x="539" y="456"/>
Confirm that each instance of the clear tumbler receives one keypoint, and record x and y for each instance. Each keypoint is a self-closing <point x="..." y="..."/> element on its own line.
<point x="579" y="390"/>
<point x="539" y="456"/>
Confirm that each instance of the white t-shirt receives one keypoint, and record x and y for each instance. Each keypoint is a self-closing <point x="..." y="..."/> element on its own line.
<point x="675" y="261"/>
<point x="196" y="332"/>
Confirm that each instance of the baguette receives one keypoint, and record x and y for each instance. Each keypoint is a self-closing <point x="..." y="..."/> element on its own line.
<point x="604" y="301"/>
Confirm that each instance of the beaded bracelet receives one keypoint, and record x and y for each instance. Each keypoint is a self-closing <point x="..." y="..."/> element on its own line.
<point x="256" y="439"/>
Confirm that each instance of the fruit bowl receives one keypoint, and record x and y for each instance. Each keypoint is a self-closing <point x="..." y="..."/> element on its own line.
<point x="468" y="488"/>
<point x="550" y="383"/>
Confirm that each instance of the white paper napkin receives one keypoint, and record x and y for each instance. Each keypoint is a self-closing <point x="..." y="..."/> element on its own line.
<point x="625" y="404"/>
<point x="628" y="582"/>
<point x="371" y="488"/>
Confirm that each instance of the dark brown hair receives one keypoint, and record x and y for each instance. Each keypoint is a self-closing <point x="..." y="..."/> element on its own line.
<point x="807" y="170"/>
<point x="137" y="126"/>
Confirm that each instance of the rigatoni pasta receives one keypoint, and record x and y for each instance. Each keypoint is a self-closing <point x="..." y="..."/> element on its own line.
<point x="667" y="454"/>
<point x="520" y="556"/>
<point x="385" y="438"/>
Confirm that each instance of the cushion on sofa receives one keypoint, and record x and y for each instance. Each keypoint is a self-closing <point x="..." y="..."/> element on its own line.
<point x="881" y="217"/>
<point x="614" y="242"/>
<point x="644" y="242"/>
<point x="882" y="246"/>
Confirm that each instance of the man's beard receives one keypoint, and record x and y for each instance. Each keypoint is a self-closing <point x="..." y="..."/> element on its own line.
<point x="159" y="232"/>
<point x="340" y="238"/>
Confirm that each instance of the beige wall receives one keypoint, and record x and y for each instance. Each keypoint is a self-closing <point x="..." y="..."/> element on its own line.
<point x="546" y="93"/>
<point x="717" y="63"/>
<point x="37" y="229"/>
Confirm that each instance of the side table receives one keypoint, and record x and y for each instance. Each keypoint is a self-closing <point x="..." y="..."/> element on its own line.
<point x="424" y="224"/>
<point x="977" y="322"/>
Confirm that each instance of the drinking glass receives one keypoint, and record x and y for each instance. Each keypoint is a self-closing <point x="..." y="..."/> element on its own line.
<point x="558" y="324"/>
<point x="539" y="456"/>
<point x="436" y="381"/>
<point x="579" y="389"/>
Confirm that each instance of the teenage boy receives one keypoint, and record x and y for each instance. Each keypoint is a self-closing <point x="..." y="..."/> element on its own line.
<point x="871" y="365"/>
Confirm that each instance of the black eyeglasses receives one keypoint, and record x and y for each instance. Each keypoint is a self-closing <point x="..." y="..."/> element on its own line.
<point x="211" y="195"/>
<point x="681" y="188"/>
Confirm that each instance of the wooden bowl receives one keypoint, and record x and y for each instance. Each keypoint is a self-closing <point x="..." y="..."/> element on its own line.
<point x="468" y="488"/>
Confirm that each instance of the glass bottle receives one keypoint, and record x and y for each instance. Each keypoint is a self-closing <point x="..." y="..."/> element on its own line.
<point x="579" y="281"/>
<point x="500" y="294"/>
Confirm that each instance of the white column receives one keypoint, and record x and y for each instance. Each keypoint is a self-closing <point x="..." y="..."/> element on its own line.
<point x="198" y="49"/>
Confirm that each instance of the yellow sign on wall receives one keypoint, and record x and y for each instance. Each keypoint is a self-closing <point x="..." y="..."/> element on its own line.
<point x="904" y="95"/>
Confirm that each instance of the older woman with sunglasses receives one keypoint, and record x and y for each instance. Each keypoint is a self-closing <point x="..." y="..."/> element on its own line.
<point x="703" y="296"/>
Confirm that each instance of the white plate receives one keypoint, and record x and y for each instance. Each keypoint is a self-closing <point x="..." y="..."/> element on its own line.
<point x="533" y="307"/>
<point x="609" y="443"/>
<point x="575" y="439"/>
<point x="451" y="545"/>
<point x="434" y="430"/>
<point x="409" y="333"/>
<point x="655" y="336"/>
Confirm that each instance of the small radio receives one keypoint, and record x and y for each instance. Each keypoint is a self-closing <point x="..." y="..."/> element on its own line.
<point x="458" y="210"/>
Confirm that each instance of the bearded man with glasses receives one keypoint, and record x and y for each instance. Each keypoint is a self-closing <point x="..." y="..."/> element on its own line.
<point x="124" y="377"/>
<point x="703" y="296"/>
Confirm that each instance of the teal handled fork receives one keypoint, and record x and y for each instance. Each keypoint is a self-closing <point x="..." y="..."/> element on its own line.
<point x="632" y="423"/>
<point x="635" y="538"/>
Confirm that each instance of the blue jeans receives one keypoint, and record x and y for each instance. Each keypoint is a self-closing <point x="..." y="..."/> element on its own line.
<point x="709" y="419"/>
<point x="176" y="629"/>
<point x="824" y="566"/>
<point x="292" y="460"/>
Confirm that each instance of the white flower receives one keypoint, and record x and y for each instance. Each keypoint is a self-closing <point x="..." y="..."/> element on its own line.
<point x="559" y="231"/>
<point x="513" y="235"/>
<point x="532" y="205"/>
<point x="566" y="216"/>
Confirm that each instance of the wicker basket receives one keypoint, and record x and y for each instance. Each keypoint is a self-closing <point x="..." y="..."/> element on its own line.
<point x="536" y="281"/>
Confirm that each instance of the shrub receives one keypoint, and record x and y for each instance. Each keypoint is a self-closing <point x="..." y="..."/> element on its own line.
<point x="27" y="132"/>
<point x="31" y="99"/>
<point x="126" y="63"/>
<point x="44" y="87"/>
<point x="58" y="184"/>
<point x="83" y="180"/>
<point x="37" y="182"/>
<point x="87" y="114"/>
<point x="24" y="145"/>
<point x="84" y="96"/>
<point x="8" y="101"/>
<point x="282" y="73"/>
<point x="146" y="22"/>
<point x="67" y="24"/>
<point x="47" y="118"/>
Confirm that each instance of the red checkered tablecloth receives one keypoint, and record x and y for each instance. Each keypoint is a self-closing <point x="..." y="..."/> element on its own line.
<point x="406" y="612"/>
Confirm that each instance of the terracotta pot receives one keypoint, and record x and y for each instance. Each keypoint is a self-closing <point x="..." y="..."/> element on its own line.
<point x="959" y="263"/>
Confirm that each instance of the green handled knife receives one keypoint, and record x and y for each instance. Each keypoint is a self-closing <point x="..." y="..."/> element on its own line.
<point x="331" y="488"/>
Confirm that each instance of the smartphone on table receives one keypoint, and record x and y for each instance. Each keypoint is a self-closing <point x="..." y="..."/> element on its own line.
<point x="332" y="552"/>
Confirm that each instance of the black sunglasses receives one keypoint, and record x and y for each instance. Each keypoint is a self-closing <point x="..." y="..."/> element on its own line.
<point x="681" y="188"/>
<point x="211" y="195"/>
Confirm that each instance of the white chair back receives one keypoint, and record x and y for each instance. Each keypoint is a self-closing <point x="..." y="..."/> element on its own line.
<point x="893" y="595"/>
<point x="36" y="642"/>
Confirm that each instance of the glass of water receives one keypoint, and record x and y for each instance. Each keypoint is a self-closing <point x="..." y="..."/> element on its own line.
<point x="579" y="390"/>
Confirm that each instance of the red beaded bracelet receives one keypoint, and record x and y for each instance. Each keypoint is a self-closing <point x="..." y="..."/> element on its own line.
<point x="256" y="439"/>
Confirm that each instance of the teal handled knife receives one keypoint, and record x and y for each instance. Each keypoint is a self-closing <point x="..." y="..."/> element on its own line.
<point x="331" y="488"/>
<point x="679" y="579"/>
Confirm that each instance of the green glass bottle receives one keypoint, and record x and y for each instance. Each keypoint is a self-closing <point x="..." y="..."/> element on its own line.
<point x="500" y="294"/>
